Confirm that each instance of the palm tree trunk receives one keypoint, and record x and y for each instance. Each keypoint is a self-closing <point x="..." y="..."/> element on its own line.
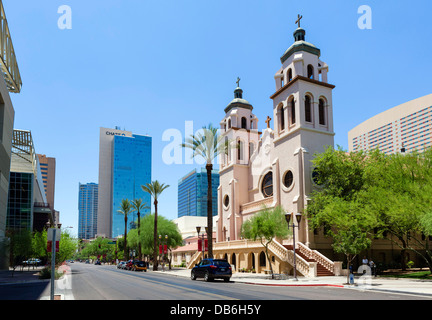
<point x="155" y="264"/>
<point x="125" y="255"/>
<point x="209" y="168"/>
<point x="139" y="238"/>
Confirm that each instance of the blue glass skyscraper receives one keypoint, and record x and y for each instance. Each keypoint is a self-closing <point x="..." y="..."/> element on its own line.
<point x="131" y="170"/>
<point x="124" y="166"/>
<point x="192" y="194"/>
<point x="87" y="210"/>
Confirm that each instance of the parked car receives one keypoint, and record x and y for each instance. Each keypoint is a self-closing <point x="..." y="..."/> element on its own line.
<point x="32" y="262"/>
<point x="129" y="264"/>
<point x="121" y="265"/>
<point x="210" y="269"/>
<point x="139" y="266"/>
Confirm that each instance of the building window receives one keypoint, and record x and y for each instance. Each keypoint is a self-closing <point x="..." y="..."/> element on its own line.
<point x="240" y="150"/>
<point x="251" y="149"/>
<point x="293" y="113"/>
<point x="310" y="71"/>
<point x="281" y="116"/>
<point x="316" y="177"/>
<point x="243" y="123"/>
<point x="288" y="179"/>
<point x="226" y="201"/>
<point x="289" y="74"/>
<point x="267" y="185"/>
<point x="322" y="116"/>
<point x="308" y="109"/>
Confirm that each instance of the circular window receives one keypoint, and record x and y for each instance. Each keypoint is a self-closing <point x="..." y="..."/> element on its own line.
<point x="288" y="179"/>
<point x="316" y="177"/>
<point x="267" y="185"/>
<point x="226" y="201"/>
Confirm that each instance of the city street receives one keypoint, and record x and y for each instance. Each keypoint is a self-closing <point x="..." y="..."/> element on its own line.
<point x="95" y="282"/>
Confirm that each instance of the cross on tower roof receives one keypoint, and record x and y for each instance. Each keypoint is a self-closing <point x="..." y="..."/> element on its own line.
<point x="298" y="20"/>
<point x="238" y="81"/>
<point x="268" y="122"/>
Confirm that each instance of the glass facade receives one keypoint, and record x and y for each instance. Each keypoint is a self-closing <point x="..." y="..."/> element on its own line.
<point x="20" y="201"/>
<point x="192" y="194"/>
<point x="131" y="169"/>
<point x="87" y="210"/>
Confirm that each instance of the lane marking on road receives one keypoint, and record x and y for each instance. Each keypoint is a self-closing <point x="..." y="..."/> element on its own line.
<point x="215" y="295"/>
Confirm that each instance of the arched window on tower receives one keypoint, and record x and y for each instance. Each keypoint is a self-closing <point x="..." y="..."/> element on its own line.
<point x="281" y="117"/>
<point x="308" y="109"/>
<point x="290" y="75"/>
<point x="244" y="123"/>
<point x="322" y="112"/>
<point x="229" y="123"/>
<point x="282" y="79"/>
<point x="239" y="150"/>
<point x="292" y="112"/>
<point x="251" y="149"/>
<point x="310" y="71"/>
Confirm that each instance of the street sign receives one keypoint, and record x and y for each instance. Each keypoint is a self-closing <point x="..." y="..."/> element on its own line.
<point x="50" y="234"/>
<point x="50" y="237"/>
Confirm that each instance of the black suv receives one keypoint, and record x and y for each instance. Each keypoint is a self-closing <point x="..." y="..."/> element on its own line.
<point x="210" y="269"/>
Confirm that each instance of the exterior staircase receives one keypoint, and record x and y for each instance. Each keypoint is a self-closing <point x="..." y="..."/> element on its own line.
<point x="309" y="263"/>
<point x="322" y="271"/>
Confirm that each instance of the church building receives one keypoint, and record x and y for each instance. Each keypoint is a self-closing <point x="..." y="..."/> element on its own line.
<point x="273" y="168"/>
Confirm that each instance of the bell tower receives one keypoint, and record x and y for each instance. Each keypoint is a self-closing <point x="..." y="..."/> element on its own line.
<point x="239" y="130"/>
<point x="303" y="120"/>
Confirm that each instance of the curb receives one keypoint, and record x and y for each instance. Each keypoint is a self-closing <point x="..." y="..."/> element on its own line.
<point x="293" y="285"/>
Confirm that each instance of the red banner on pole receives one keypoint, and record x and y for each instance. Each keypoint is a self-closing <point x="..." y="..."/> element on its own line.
<point x="49" y="246"/>
<point x="163" y="249"/>
<point x="200" y="245"/>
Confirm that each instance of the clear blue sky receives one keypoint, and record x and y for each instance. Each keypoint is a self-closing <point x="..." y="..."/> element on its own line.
<point x="148" y="66"/>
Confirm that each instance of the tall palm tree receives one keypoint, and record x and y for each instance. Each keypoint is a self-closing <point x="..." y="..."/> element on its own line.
<point x="208" y="144"/>
<point x="125" y="209"/>
<point x="138" y="205"/>
<point x="155" y="189"/>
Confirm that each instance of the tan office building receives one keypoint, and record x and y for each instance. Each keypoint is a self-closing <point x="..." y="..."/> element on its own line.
<point x="407" y="127"/>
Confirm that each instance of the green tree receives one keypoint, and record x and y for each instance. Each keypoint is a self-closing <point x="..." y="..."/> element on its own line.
<point x="368" y="195"/>
<point x="20" y="246"/>
<point x="67" y="247"/>
<point x="125" y="209"/>
<point x="155" y="189"/>
<point x="138" y="205"/>
<point x="164" y="227"/>
<point x="337" y="204"/>
<point x="398" y="189"/>
<point x="208" y="144"/>
<point x="39" y="245"/>
<point x="264" y="226"/>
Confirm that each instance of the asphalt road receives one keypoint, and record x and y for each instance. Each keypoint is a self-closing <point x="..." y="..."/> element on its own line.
<point x="91" y="282"/>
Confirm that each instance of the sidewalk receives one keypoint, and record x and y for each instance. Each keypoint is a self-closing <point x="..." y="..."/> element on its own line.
<point x="393" y="285"/>
<point x="18" y="276"/>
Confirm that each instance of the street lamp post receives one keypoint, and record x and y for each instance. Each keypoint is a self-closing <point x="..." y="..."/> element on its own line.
<point x="203" y="239"/>
<point x="163" y="249"/>
<point x="293" y="226"/>
<point x="198" y="229"/>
